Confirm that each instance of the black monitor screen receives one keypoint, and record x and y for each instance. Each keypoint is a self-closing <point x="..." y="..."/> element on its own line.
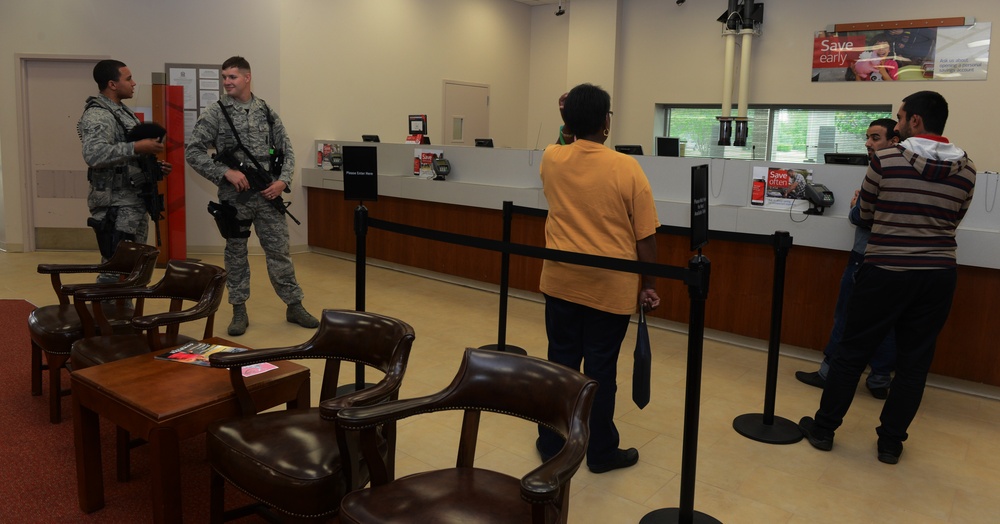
<point x="666" y="146"/>
<point x="418" y="124"/>
<point x="629" y="149"/>
<point x="369" y="138"/>
<point x="484" y="142"/>
<point x="853" y="159"/>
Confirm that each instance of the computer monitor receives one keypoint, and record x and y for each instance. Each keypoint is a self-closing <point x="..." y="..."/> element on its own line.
<point x="629" y="149"/>
<point x="667" y="146"/>
<point x="853" y="159"/>
<point x="417" y="125"/>
<point x="369" y="138"/>
<point x="484" y="142"/>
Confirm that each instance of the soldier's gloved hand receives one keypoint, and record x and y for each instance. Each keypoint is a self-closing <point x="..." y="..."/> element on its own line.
<point x="148" y="146"/>
<point x="237" y="179"/>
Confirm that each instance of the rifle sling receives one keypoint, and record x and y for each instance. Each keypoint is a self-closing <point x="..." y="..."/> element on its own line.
<point x="236" y="134"/>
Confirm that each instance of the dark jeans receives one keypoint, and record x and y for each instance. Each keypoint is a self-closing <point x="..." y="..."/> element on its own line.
<point x="885" y="355"/>
<point x="580" y="334"/>
<point x="916" y="303"/>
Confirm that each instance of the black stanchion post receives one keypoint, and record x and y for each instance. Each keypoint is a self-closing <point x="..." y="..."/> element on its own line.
<point x="501" y="345"/>
<point x="685" y="513"/>
<point x="766" y="427"/>
<point x="360" y="265"/>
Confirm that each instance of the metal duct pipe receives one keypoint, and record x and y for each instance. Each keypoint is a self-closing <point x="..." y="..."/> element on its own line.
<point x="746" y="30"/>
<point x="729" y="34"/>
<point x="727" y="73"/>
<point x="744" y="73"/>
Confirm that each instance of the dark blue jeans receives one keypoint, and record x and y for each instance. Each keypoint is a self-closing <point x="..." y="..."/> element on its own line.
<point x="580" y="334"/>
<point x="916" y="303"/>
<point x="885" y="355"/>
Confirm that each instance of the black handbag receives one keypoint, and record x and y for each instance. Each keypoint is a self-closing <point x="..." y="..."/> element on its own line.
<point x="641" y="368"/>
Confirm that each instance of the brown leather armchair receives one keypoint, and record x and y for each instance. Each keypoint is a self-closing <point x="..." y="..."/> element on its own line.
<point x="54" y="328"/>
<point x="183" y="281"/>
<point x="294" y="461"/>
<point x="524" y="387"/>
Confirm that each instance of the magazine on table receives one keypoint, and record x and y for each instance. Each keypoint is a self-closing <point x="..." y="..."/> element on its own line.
<point x="197" y="353"/>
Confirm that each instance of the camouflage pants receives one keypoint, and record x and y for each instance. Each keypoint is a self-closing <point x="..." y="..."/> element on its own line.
<point x="131" y="218"/>
<point x="272" y="231"/>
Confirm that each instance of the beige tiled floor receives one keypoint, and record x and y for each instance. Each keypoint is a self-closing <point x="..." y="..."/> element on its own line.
<point x="949" y="472"/>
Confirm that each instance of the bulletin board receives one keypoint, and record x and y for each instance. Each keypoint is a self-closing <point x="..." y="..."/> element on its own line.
<point x="202" y="86"/>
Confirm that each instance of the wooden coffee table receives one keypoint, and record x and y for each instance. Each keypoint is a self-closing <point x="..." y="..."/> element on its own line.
<point x="164" y="402"/>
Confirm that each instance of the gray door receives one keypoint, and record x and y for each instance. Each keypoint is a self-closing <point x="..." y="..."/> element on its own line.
<point x="466" y="113"/>
<point x="55" y="91"/>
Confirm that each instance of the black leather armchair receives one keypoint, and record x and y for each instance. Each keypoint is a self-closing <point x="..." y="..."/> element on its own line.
<point x="54" y="328"/>
<point x="295" y="462"/>
<point x="524" y="387"/>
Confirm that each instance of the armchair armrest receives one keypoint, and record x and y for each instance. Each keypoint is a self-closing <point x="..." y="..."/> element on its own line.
<point x="362" y="417"/>
<point x="113" y="293"/>
<point x="48" y="269"/>
<point x="238" y="360"/>
<point x="380" y="392"/>
<point x="234" y="362"/>
<point x="544" y="483"/>
<point x="169" y="318"/>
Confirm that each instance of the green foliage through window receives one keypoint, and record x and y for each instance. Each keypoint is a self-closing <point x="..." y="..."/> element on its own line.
<point x="779" y="133"/>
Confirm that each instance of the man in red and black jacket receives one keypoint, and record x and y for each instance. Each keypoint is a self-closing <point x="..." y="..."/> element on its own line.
<point x="913" y="197"/>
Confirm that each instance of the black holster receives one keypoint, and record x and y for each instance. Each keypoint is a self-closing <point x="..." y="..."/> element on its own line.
<point x="224" y="214"/>
<point x="107" y="236"/>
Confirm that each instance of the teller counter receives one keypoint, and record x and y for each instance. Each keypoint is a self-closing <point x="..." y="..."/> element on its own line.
<point x="470" y="201"/>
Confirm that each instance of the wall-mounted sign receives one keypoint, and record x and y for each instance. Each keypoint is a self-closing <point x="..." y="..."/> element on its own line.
<point x="902" y="53"/>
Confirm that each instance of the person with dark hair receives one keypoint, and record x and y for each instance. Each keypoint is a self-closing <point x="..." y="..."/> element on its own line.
<point x="600" y="203"/>
<point x="117" y="211"/>
<point x="914" y="196"/>
<point x="877" y="62"/>
<point x="880" y="135"/>
<point x="242" y="125"/>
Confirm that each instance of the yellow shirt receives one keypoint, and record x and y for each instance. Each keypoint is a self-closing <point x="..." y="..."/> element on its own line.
<point x="600" y="203"/>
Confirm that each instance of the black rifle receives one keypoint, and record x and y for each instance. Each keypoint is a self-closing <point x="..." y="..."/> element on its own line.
<point x="258" y="179"/>
<point x="150" y="175"/>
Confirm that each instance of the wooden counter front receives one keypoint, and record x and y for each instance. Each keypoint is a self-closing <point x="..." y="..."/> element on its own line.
<point x="739" y="299"/>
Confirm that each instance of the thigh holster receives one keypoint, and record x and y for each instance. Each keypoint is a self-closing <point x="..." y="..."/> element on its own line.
<point x="224" y="214"/>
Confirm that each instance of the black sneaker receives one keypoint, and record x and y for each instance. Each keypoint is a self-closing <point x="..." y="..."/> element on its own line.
<point x="879" y="393"/>
<point x="623" y="458"/>
<point x="889" y="451"/>
<point x="811" y="378"/>
<point x="818" y="437"/>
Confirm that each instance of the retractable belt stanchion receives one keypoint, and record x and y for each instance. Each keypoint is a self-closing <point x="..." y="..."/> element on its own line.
<point x="685" y="514"/>
<point x="360" y="265"/>
<point x="501" y="345"/>
<point x="766" y="427"/>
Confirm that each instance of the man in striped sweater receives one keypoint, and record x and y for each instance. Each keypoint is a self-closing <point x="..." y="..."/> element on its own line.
<point x="914" y="196"/>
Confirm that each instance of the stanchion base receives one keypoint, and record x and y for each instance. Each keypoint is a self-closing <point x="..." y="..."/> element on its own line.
<point x="673" y="515"/>
<point x="507" y="348"/>
<point x="752" y="426"/>
<point x="350" y="388"/>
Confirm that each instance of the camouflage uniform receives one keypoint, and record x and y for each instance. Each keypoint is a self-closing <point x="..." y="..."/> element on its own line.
<point x="212" y="130"/>
<point x="112" y="161"/>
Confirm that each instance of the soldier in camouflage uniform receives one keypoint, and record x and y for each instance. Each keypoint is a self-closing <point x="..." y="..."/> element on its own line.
<point x="260" y="131"/>
<point x="112" y="160"/>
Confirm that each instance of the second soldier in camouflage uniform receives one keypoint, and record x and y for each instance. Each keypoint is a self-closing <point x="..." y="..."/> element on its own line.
<point x="260" y="131"/>
<point x="112" y="158"/>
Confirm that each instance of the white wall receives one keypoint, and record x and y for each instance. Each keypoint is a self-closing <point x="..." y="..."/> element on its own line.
<point x="145" y="35"/>
<point x="673" y="54"/>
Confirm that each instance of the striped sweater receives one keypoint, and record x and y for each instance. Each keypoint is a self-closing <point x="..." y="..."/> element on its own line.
<point x="913" y="197"/>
